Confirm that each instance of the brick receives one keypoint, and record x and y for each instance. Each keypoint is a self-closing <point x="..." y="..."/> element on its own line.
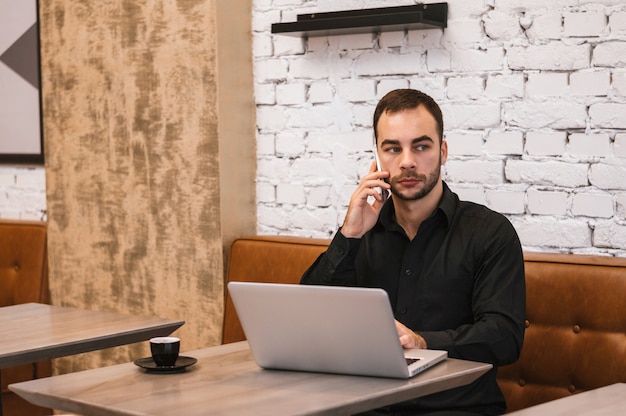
<point x="262" y="21"/>
<point x="435" y="86"/>
<point x="351" y="42"/>
<point x="619" y="145"/>
<point x="595" y="83"/>
<point x="320" y="92"/>
<point x="438" y="60"/>
<point x="569" y="175"/>
<point x="311" y="171"/>
<point x="265" y="94"/>
<point x="290" y="94"/>
<point x="621" y="206"/>
<point x="319" y="196"/>
<point x="546" y="84"/>
<point x="471" y="116"/>
<point x="501" y="26"/>
<point x="323" y="219"/>
<point x="608" y="176"/>
<point x="391" y="39"/>
<point x="425" y="39"/>
<point x="465" y="88"/>
<point x="464" y="144"/>
<point x="272" y="218"/>
<point x="545" y="27"/>
<point x="547" y="202"/>
<point x="262" y="46"/>
<point x="608" y="115"/>
<point x="479" y="171"/>
<point x="387" y="63"/>
<point x="265" y="144"/>
<point x="386" y="85"/>
<point x="584" y="24"/>
<point x="272" y="170"/>
<point x="505" y="86"/>
<point x="290" y="193"/>
<point x="592" y="205"/>
<point x="554" y="114"/>
<point x="619" y="83"/>
<point x="468" y="60"/>
<point x="362" y="114"/>
<point x="469" y="193"/>
<point x="505" y="143"/>
<point x="463" y="31"/>
<point x="610" y="54"/>
<point x="546" y="232"/>
<point x="617" y="23"/>
<point x="357" y="90"/>
<point x="303" y="118"/>
<point x="553" y="56"/>
<point x="458" y="9"/>
<point x="270" y="70"/>
<point x="582" y="145"/>
<point x="288" y="45"/>
<point x="609" y="234"/>
<point x="290" y="143"/>
<point x="539" y="143"/>
<point x="265" y="192"/>
<point x="270" y="118"/>
<point x="506" y="201"/>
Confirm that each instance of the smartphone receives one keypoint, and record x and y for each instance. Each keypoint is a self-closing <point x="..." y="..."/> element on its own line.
<point x="384" y="192"/>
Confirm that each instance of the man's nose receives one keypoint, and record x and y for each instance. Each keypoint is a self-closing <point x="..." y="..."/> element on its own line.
<point x="407" y="161"/>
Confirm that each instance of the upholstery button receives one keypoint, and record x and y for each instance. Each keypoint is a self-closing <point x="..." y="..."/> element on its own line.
<point x="526" y="323"/>
<point x="16" y="267"/>
<point x="576" y="329"/>
<point x="521" y="382"/>
<point x="407" y="272"/>
<point x="571" y="388"/>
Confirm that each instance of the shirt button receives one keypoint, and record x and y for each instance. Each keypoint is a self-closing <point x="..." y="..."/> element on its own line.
<point x="403" y="311"/>
<point x="407" y="272"/>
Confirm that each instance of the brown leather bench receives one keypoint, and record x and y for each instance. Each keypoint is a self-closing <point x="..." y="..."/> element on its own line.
<point x="576" y="315"/>
<point x="23" y="279"/>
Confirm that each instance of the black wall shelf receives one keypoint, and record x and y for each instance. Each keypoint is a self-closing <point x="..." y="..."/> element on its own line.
<point x="384" y="19"/>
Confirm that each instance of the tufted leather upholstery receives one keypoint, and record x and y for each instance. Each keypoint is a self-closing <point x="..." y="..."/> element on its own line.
<point x="266" y="259"/>
<point x="575" y="329"/>
<point x="576" y="315"/>
<point x="23" y="279"/>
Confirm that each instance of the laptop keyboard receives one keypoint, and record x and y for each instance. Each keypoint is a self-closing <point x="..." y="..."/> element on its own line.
<point x="410" y="361"/>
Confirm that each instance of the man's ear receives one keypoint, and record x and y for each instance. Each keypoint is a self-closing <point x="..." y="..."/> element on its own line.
<point x="444" y="152"/>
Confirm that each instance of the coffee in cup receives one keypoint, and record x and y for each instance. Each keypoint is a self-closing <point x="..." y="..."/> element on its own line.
<point x="165" y="350"/>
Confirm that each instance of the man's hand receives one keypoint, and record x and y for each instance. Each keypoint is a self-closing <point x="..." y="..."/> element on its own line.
<point x="408" y="338"/>
<point x="362" y="216"/>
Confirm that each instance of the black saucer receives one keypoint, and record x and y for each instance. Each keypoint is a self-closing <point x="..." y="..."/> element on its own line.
<point x="179" y="366"/>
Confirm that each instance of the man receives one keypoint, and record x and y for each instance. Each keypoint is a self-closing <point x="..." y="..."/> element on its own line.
<point x="453" y="270"/>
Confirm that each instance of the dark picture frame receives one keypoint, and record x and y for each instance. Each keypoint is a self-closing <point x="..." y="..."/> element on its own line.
<point x="21" y="126"/>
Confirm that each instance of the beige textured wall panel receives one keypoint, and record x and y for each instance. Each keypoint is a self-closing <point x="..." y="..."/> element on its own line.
<point x="130" y="128"/>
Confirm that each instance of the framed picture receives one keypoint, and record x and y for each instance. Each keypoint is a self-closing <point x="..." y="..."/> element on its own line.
<point x="21" y="138"/>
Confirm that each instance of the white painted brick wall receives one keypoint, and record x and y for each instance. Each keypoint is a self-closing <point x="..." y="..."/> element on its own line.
<point x="534" y="101"/>
<point x="23" y="193"/>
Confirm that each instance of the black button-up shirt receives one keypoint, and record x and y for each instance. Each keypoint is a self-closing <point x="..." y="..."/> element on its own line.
<point x="459" y="284"/>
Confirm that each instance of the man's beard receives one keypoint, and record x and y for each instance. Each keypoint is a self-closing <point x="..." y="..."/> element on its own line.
<point x="430" y="181"/>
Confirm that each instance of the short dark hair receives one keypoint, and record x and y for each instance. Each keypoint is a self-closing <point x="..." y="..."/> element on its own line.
<point x="407" y="99"/>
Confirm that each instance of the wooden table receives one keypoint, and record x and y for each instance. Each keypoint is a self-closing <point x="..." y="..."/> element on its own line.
<point x="226" y="381"/>
<point x="604" y="401"/>
<point x="34" y="332"/>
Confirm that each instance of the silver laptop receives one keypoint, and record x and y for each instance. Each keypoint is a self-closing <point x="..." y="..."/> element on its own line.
<point x="327" y="329"/>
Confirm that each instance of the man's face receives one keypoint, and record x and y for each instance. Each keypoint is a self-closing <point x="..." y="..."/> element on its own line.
<point x="409" y="148"/>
